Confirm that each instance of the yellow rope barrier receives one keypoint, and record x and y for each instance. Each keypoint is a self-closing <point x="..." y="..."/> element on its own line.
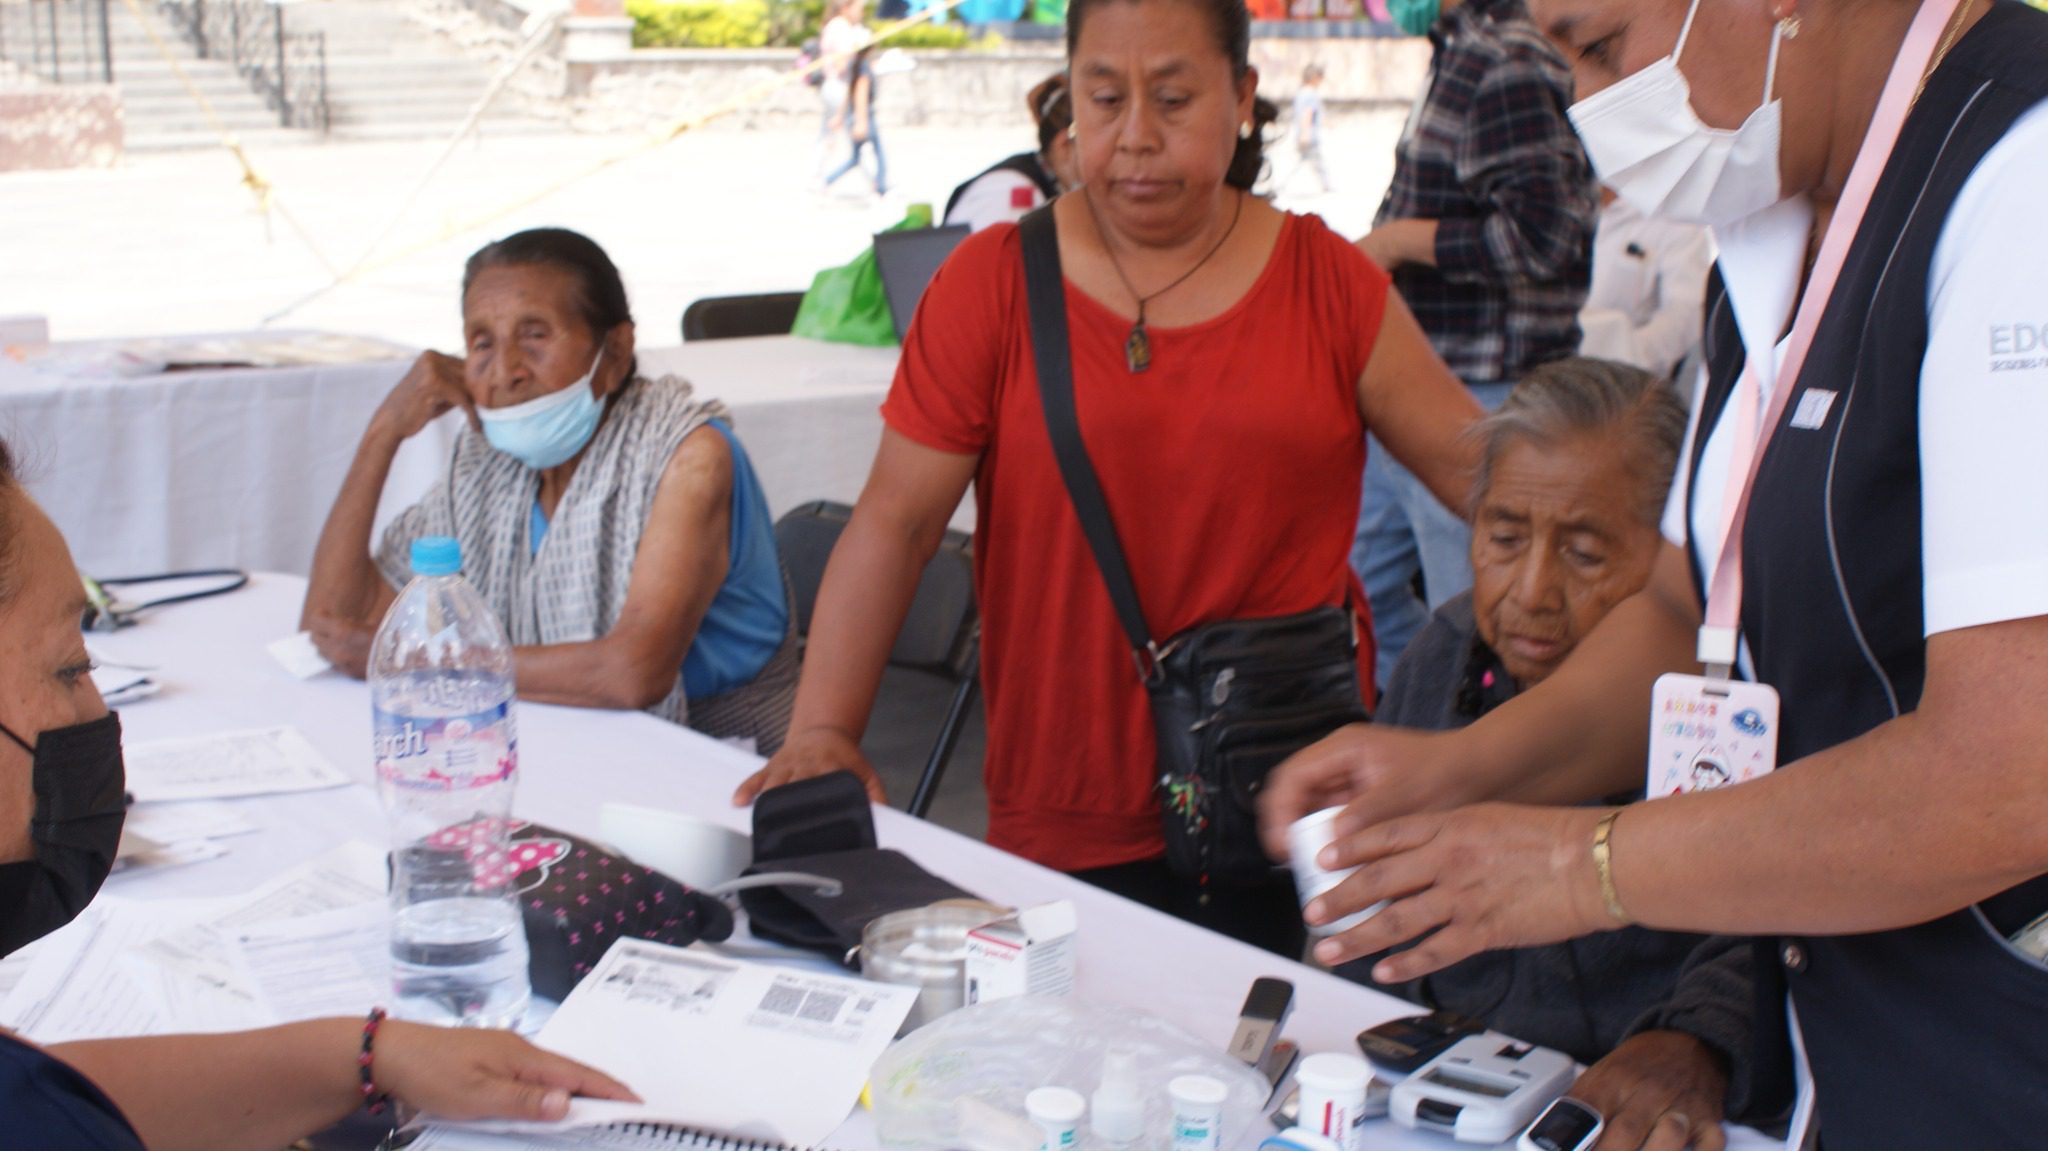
<point x="265" y="192"/>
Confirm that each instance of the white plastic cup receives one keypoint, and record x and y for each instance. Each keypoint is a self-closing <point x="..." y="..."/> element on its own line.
<point x="1333" y="1097"/>
<point x="1057" y="1111"/>
<point x="1197" y="1112"/>
<point x="1306" y="839"/>
<point x="684" y="848"/>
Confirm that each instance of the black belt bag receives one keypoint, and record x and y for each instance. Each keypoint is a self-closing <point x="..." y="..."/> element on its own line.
<point x="1230" y="700"/>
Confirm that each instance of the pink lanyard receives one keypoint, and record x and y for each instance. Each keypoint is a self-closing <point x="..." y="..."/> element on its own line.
<point x="1717" y="640"/>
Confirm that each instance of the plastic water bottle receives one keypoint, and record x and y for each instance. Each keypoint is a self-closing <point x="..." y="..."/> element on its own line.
<point x="447" y="757"/>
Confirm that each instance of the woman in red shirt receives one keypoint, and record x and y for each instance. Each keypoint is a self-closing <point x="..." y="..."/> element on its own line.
<point x="1230" y="457"/>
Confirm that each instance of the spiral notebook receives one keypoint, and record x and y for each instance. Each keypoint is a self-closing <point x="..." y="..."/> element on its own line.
<point x="623" y="1137"/>
<point x="766" y="1056"/>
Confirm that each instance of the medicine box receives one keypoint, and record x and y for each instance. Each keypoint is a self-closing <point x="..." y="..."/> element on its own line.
<point x="1028" y="953"/>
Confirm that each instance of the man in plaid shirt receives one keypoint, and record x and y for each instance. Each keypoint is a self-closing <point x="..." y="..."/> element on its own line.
<point x="1488" y="231"/>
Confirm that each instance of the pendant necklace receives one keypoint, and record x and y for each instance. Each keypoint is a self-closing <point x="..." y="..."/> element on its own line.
<point x="1138" y="345"/>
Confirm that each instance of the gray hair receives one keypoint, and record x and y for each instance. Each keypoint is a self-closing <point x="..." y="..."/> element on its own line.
<point x="1581" y="395"/>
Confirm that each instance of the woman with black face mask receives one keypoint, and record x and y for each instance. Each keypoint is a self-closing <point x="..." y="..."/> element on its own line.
<point x="61" y="810"/>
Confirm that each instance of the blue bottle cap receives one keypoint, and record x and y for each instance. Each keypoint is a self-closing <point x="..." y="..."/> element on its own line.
<point x="436" y="556"/>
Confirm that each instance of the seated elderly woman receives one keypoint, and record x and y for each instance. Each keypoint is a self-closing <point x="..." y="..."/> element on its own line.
<point x="1573" y="473"/>
<point x="1572" y="476"/>
<point x="61" y="813"/>
<point x="612" y="521"/>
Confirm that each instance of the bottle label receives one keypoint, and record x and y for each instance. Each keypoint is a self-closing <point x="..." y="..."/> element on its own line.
<point x="446" y="753"/>
<point x="1192" y="1133"/>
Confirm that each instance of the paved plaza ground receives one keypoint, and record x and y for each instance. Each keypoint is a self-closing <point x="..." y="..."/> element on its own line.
<point x="172" y="243"/>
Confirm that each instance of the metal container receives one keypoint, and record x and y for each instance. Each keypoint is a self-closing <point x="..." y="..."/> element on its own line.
<point x="926" y="948"/>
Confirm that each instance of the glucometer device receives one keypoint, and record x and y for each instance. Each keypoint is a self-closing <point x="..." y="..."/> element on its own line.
<point x="1260" y="1020"/>
<point x="1398" y="1046"/>
<point x="1482" y="1090"/>
<point x="1566" y="1125"/>
<point x="1278" y="1065"/>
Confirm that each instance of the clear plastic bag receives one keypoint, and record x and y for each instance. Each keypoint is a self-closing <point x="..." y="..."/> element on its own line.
<point x="960" y="1082"/>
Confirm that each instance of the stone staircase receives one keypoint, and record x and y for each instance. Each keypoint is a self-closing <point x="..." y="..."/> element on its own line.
<point x="387" y="76"/>
<point x="157" y="109"/>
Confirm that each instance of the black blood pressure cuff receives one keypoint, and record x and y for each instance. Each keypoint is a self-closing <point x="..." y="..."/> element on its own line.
<point x="825" y="827"/>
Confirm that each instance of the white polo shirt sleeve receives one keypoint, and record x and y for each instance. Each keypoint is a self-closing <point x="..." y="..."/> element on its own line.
<point x="1983" y="403"/>
<point x="998" y="197"/>
<point x="1984" y="393"/>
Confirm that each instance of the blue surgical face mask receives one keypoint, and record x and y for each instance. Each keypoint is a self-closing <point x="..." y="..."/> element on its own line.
<point x="546" y="432"/>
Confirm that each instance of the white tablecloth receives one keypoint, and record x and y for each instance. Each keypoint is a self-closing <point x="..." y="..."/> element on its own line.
<point x="239" y="467"/>
<point x="215" y="468"/>
<point x="218" y="678"/>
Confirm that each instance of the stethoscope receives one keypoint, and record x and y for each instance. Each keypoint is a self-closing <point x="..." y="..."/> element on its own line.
<point x="105" y="613"/>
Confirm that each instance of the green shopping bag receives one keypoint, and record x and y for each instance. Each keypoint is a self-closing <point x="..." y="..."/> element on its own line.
<point x="847" y="305"/>
<point x="1048" y="11"/>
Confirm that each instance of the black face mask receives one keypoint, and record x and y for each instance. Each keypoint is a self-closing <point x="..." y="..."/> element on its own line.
<point x="80" y="806"/>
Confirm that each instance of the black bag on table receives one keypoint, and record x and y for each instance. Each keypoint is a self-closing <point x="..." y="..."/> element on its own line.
<point x="823" y="827"/>
<point x="1230" y="700"/>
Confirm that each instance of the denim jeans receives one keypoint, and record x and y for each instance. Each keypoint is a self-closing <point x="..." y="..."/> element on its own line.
<point x="874" y="141"/>
<point x="831" y="105"/>
<point x="1403" y="530"/>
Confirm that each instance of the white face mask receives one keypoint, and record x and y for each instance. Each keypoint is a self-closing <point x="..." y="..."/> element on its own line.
<point x="1648" y="144"/>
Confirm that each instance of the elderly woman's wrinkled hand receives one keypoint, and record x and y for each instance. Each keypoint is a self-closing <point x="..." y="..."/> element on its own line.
<point x="1659" y="1091"/>
<point x="1374" y="772"/>
<point x="343" y="643"/>
<point x="435" y="385"/>
<point x="1480" y="878"/>
<point x="808" y="754"/>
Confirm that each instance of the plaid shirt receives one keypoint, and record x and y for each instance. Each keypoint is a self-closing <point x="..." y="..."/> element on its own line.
<point x="1490" y="156"/>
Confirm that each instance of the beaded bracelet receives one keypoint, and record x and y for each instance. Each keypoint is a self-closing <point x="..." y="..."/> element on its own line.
<point x="374" y="1101"/>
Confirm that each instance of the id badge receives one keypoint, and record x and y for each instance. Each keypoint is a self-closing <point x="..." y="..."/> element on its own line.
<point x="1708" y="733"/>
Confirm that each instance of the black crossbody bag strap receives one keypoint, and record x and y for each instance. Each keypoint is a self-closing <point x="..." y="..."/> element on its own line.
<point x="1045" y="292"/>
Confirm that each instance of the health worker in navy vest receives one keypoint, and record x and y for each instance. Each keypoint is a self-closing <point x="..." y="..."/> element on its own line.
<point x="1011" y="188"/>
<point x="1872" y="171"/>
<point x="61" y="811"/>
<point x="613" y="522"/>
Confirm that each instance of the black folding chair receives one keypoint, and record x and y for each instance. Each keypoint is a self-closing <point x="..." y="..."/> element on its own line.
<point x="732" y="317"/>
<point x="941" y="636"/>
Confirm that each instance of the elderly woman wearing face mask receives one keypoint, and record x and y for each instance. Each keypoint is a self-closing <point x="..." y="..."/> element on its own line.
<point x="61" y="810"/>
<point x="1856" y="523"/>
<point x="613" y="522"/>
<point x="1227" y="359"/>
